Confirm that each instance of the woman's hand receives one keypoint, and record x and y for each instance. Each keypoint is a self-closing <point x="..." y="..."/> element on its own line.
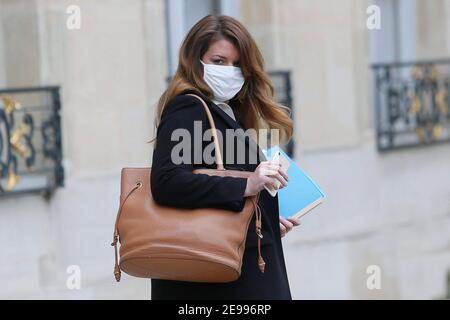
<point x="286" y="225"/>
<point x="264" y="175"/>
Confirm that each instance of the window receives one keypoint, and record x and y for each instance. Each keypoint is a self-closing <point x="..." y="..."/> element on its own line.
<point x="181" y="15"/>
<point x="396" y="39"/>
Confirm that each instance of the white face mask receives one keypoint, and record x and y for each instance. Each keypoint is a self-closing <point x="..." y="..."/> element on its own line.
<point x="224" y="81"/>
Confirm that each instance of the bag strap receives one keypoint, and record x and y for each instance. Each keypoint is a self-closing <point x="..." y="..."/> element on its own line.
<point x="117" y="272"/>
<point x="218" y="154"/>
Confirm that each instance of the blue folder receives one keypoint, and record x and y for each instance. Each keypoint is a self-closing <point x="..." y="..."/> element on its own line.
<point x="301" y="195"/>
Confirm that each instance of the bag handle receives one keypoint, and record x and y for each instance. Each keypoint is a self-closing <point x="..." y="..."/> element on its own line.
<point x="218" y="154"/>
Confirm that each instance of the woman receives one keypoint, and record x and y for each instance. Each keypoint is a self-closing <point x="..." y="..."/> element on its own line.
<point x="220" y="62"/>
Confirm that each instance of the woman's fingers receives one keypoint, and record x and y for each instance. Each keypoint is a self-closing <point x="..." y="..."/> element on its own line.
<point x="283" y="174"/>
<point x="288" y="225"/>
<point x="274" y="166"/>
<point x="296" y="222"/>
<point x="276" y="175"/>
<point x="269" y="182"/>
<point x="282" y="230"/>
<point x="281" y="179"/>
<point x="270" y="173"/>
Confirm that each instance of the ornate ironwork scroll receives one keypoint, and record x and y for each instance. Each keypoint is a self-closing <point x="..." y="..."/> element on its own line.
<point x="412" y="103"/>
<point x="30" y="141"/>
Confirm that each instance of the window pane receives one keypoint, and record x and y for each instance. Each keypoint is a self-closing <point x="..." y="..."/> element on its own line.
<point x="197" y="9"/>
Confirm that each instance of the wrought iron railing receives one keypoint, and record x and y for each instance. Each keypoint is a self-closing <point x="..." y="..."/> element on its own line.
<point x="30" y="141"/>
<point x="412" y="103"/>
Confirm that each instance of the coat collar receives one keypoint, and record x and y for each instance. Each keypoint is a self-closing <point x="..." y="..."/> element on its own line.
<point x="232" y="124"/>
<point x="215" y="108"/>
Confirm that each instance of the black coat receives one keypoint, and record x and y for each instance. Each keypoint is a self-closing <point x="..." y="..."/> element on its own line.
<point x="198" y="190"/>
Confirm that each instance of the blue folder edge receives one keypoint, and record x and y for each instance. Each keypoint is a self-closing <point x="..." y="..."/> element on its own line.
<point x="308" y="207"/>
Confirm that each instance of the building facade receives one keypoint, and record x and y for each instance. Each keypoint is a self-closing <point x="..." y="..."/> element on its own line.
<point x="384" y="210"/>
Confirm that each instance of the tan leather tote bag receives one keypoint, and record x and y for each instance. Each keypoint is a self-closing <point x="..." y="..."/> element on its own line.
<point x="198" y="245"/>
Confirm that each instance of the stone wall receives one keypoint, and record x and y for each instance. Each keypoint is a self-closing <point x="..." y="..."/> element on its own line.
<point x="111" y="73"/>
<point x="390" y="210"/>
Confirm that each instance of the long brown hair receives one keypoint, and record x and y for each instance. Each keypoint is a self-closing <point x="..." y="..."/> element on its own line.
<point x="255" y="104"/>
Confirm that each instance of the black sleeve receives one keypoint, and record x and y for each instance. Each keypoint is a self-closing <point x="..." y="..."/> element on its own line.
<point x="174" y="184"/>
